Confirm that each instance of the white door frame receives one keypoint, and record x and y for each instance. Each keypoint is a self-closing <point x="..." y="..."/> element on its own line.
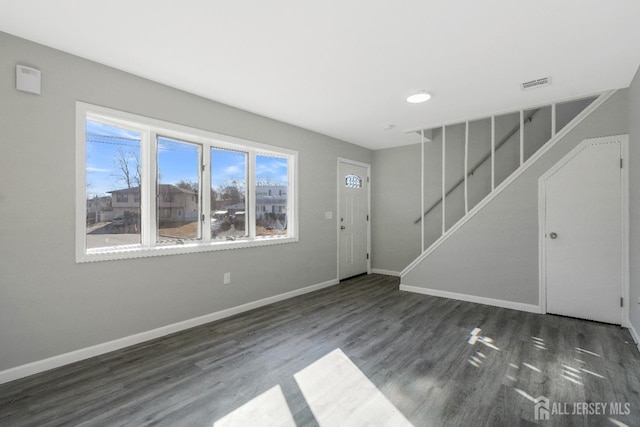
<point x="624" y="176"/>
<point x="339" y="182"/>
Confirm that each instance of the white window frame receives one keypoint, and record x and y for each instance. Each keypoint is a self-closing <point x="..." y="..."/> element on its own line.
<point x="150" y="128"/>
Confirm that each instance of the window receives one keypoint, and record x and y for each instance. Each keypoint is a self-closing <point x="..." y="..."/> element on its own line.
<point x="142" y="189"/>
<point x="228" y="194"/>
<point x="178" y="181"/>
<point x="272" y="175"/>
<point x="353" y="181"/>
<point x="111" y="172"/>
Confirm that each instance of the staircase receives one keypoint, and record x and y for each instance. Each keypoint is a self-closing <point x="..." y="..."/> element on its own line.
<point x="464" y="179"/>
<point x="487" y="157"/>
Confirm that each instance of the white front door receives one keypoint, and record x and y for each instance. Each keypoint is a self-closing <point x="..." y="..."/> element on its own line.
<point x="583" y="226"/>
<point x="353" y="215"/>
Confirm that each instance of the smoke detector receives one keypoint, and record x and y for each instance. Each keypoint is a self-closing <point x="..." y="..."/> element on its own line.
<point x="532" y="84"/>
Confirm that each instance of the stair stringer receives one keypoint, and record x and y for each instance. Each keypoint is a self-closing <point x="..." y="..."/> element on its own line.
<point x="490" y="255"/>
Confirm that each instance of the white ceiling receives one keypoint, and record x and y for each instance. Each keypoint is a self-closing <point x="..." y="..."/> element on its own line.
<point x="344" y="67"/>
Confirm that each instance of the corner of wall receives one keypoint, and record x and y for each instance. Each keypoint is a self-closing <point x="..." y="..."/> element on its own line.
<point x="634" y="204"/>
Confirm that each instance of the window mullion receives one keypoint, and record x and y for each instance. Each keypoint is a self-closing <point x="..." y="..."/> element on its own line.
<point x="250" y="208"/>
<point x="292" y="197"/>
<point x="200" y="211"/>
<point x="149" y="188"/>
<point x="205" y="185"/>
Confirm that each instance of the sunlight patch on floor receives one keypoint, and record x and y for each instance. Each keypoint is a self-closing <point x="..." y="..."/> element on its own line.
<point x="525" y="394"/>
<point x="593" y="373"/>
<point x="268" y="409"/>
<point x="539" y="343"/>
<point x="573" y="380"/>
<point x="335" y="390"/>
<point x="533" y="368"/>
<point x="338" y="393"/>
<point x="618" y="423"/>
<point x="476" y="359"/>
<point x="476" y="337"/>
<point x="583" y="351"/>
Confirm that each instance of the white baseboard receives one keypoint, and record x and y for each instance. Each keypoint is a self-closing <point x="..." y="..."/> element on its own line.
<point x="634" y="335"/>
<point x="472" y="298"/>
<point x="385" y="272"/>
<point x="96" y="350"/>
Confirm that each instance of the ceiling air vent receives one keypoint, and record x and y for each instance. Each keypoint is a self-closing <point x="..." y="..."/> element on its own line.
<point x="545" y="81"/>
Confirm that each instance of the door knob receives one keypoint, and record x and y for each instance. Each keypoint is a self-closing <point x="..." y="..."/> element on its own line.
<point x="553" y="235"/>
<point x="342" y="227"/>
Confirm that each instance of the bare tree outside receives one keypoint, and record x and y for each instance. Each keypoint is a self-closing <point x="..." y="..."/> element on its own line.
<point x="189" y="185"/>
<point x="232" y="193"/>
<point x="127" y="165"/>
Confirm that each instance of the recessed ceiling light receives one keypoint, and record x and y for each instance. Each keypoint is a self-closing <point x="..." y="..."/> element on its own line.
<point x="417" y="98"/>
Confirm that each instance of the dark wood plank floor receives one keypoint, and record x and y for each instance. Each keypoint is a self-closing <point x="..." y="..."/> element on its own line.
<point x="360" y="353"/>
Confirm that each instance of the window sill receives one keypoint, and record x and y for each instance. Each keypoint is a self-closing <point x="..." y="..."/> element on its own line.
<point x="137" y="251"/>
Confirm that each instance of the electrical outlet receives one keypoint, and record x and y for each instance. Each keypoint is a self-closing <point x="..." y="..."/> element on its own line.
<point x="227" y="278"/>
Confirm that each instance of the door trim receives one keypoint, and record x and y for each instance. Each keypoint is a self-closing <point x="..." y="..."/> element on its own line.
<point x="624" y="177"/>
<point x="338" y="186"/>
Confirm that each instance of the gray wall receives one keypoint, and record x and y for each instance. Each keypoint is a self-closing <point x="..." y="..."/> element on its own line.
<point x="634" y="200"/>
<point x="50" y="305"/>
<point x="395" y="204"/>
<point x="495" y="254"/>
